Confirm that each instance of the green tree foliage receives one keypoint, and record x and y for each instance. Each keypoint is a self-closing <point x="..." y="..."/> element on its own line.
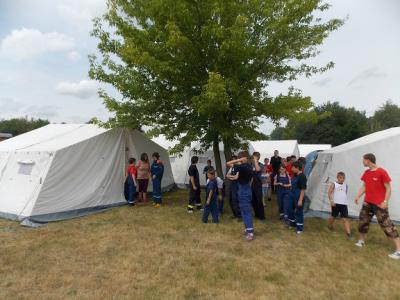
<point x="335" y="124"/>
<point x="21" y="125"/>
<point x="199" y="70"/>
<point x="387" y="116"/>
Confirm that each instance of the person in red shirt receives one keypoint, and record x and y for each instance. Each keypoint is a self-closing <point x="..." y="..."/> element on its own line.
<point x="377" y="190"/>
<point x="290" y="161"/>
<point x="131" y="181"/>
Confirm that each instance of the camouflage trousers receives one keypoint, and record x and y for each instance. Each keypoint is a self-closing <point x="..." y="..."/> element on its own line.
<point x="367" y="213"/>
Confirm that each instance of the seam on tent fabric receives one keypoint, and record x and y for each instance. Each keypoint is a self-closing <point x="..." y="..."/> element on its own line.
<point x="36" y="187"/>
<point x="4" y="167"/>
<point x="54" y="137"/>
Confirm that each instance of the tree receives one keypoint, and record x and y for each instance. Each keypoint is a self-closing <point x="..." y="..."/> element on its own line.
<point x="335" y="124"/>
<point x="18" y="126"/>
<point x="199" y="70"/>
<point x="387" y="116"/>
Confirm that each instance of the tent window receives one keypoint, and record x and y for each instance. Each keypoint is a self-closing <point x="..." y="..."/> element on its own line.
<point x="25" y="169"/>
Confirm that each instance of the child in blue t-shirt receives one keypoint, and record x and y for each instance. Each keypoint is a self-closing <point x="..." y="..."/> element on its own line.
<point x="212" y="196"/>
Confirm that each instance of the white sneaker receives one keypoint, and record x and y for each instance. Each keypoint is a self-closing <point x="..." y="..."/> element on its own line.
<point x="189" y="211"/>
<point x="395" y="255"/>
<point x="360" y="244"/>
<point x="299" y="232"/>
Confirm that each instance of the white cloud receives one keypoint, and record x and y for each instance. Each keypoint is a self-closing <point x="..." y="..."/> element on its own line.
<point x="83" y="89"/>
<point x="82" y="12"/>
<point x="26" y="43"/>
<point x="74" y="56"/>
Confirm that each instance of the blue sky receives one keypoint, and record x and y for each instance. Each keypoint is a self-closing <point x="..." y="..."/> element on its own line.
<point x="44" y="46"/>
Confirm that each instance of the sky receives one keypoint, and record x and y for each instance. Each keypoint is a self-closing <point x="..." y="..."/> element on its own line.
<point x="44" y="45"/>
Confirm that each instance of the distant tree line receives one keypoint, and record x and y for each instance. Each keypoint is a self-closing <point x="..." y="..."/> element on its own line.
<point x="18" y="126"/>
<point x="335" y="124"/>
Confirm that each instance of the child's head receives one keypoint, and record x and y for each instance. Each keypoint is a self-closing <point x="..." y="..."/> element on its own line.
<point x="341" y="177"/>
<point x="244" y="154"/>
<point x="284" y="162"/>
<point x="369" y="159"/>
<point x="144" y="157"/>
<point x="209" y="162"/>
<point x="257" y="155"/>
<point x="266" y="161"/>
<point x="211" y="174"/>
<point x="293" y="158"/>
<point x="297" y="167"/>
<point x="282" y="169"/>
<point x="194" y="160"/>
<point x="132" y="161"/>
<point x="276" y="153"/>
<point x="156" y="156"/>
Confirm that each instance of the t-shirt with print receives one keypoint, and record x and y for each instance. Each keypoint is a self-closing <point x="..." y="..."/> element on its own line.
<point x="194" y="172"/>
<point x="375" y="191"/>
<point x="245" y="173"/>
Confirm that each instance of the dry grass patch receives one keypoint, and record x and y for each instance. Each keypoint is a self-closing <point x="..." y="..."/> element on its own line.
<point x="145" y="253"/>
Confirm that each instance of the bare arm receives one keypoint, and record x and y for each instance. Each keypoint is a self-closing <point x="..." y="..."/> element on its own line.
<point x="233" y="177"/>
<point x="330" y="194"/>
<point x="388" y="194"/>
<point x="210" y="194"/>
<point x="360" y="193"/>
<point x="231" y="163"/>
<point x="257" y="165"/>
<point x="301" y="198"/>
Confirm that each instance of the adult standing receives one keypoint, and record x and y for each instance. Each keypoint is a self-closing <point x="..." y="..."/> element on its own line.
<point x="276" y="162"/>
<point x="143" y="176"/>
<point x="194" y="183"/>
<point x="157" y="173"/>
<point x="377" y="189"/>
<point x="234" y="191"/>
<point x="256" y="187"/>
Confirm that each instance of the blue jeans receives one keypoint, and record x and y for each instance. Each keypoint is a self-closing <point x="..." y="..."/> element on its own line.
<point x="287" y="203"/>
<point x="132" y="194"/>
<point x="299" y="217"/>
<point x="280" y="196"/>
<point x="245" y="195"/>
<point x="213" y="209"/>
<point x="157" y="191"/>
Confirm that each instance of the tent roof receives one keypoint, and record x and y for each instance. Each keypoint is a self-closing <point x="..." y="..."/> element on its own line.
<point x="284" y="146"/>
<point x="368" y="139"/>
<point x="52" y="137"/>
<point x="308" y="148"/>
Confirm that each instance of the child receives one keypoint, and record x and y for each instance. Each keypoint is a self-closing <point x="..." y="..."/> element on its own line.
<point x="207" y="168"/>
<point x="283" y="186"/>
<point x="194" y="183"/>
<point x="266" y="181"/>
<point x="256" y="186"/>
<point x="299" y="186"/>
<point x="157" y="173"/>
<point x="211" y="202"/>
<point x="221" y="194"/>
<point x="130" y="180"/>
<point x="244" y="176"/>
<point x="234" y="192"/>
<point x="143" y="176"/>
<point x="337" y="195"/>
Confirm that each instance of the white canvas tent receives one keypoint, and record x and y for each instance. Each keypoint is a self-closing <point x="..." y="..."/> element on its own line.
<point x="65" y="170"/>
<point x="306" y="149"/>
<point x="285" y="147"/>
<point x="348" y="158"/>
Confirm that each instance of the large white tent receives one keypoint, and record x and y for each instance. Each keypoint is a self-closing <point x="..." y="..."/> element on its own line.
<point x="285" y="147"/>
<point x="348" y="158"/>
<point x="66" y="170"/>
<point x="306" y="149"/>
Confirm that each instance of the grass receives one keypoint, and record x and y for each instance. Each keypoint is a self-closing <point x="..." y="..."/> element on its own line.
<point x="145" y="253"/>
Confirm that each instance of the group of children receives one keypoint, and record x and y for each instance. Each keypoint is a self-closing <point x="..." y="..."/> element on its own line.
<point x="250" y="185"/>
<point x="137" y="177"/>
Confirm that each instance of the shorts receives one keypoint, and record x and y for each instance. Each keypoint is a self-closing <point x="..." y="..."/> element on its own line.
<point x="340" y="209"/>
<point x="143" y="185"/>
<point x="367" y="213"/>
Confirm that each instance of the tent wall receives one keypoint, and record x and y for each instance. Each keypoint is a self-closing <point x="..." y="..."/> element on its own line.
<point x="86" y="175"/>
<point x="348" y="159"/>
<point x="267" y="148"/>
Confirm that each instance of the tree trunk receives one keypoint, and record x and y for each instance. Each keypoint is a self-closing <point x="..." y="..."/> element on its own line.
<point x="227" y="151"/>
<point x="217" y="157"/>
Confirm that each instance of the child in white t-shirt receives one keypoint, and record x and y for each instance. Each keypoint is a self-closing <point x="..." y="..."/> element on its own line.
<point x="337" y="195"/>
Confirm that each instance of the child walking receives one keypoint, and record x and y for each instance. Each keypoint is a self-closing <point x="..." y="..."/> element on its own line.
<point x="299" y="186"/>
<point x="212" y="195"/>
<point x="283" y="185"/>
<point x="157" y="173"/>
<point x="131" y="181"/>
<point x="337" y="195"/>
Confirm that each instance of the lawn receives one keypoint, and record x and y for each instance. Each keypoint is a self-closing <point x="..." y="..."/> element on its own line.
<point x="148" y="253"/>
